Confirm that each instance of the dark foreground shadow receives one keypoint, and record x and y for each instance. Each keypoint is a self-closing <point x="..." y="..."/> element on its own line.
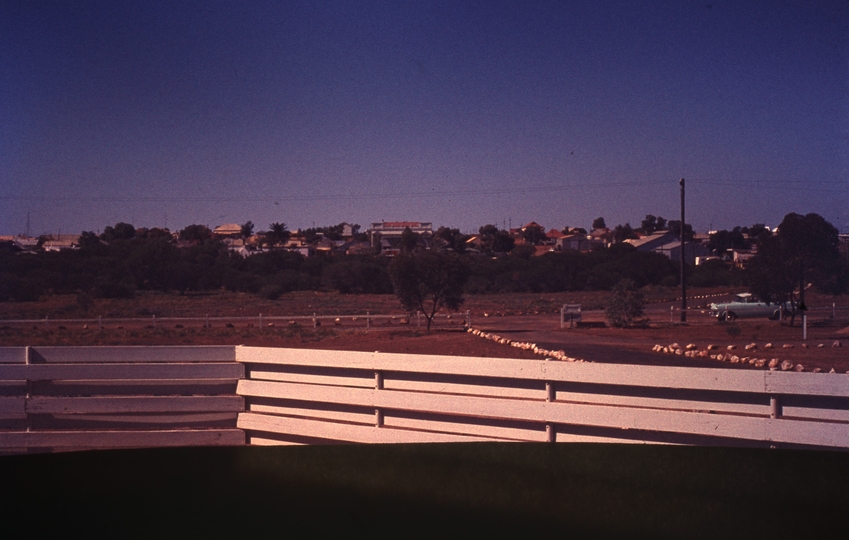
<point x="567" y="490"/>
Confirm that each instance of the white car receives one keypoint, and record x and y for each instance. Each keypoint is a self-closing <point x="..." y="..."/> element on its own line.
<point x="747" y="306"/>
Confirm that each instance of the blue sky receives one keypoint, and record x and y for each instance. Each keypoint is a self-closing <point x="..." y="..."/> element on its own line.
<point x="458" y="113"/>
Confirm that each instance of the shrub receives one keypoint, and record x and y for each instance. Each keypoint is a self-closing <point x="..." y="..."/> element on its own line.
<point x="625" y="306"/>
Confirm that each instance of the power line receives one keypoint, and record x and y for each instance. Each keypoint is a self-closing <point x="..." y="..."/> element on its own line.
<point x="772" y="185"/>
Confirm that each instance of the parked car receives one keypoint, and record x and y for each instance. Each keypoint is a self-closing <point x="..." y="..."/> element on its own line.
<point x="747" y="306"/>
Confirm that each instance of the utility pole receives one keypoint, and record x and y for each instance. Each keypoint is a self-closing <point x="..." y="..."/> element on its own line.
<point x="683" y="280"/>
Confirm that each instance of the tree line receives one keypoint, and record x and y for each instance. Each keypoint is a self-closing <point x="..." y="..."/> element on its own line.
<point x="123" y="261"/>
<point x="120" y="263"/>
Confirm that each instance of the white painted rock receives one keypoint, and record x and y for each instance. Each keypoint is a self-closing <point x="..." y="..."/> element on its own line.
<point x="786" y="365"/>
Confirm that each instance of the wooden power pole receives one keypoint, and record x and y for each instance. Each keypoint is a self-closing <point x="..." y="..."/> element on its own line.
<point x="683" y="279"/>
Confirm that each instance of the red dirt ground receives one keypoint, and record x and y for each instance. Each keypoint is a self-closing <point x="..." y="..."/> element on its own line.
<point x="528" y="318"/>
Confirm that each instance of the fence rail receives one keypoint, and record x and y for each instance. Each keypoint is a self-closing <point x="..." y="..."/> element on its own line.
<point x="361" y="320"/>
<point x="65" y="398"/>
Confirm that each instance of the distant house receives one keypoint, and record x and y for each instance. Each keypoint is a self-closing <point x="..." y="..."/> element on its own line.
<point x="359" y="248"/>
<point x="669" y="244"/>
<point x="228" y="230"/>
<point x="60" y="242"/>
<point x="347" y="230"/>
<point x="740" y="257"/>
<point x="603" y="235"/>
<point x="552" y="236"/>
<point x="578" y="242"/>
<point x="387" y="234"/>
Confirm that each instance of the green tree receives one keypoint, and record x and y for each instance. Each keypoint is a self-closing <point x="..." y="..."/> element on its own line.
<point x="722" y="241"/>
<point x="89" y="241"/>
<point x="494" y="240"/>
<point x="598" y="223"/>
<point x="248" y="229"/>
<point x="277" y="234"/>
<point x="448" y="239"/>
<point x="675" y="228"/>
<point x="409" y="240"/>
<point x="534" y="234"/>
<point x="196" y="234"/>
<point x="653" y="223"/>
<point x="121" y="231"/>
<point x="625" y="306"/>
<point x="622" y="233"/>
<point x="428" y="280"/>
<point x="803" y="251"/>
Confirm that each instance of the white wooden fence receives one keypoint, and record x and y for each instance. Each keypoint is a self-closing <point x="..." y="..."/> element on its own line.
<point x="63" y="398"/>
<point x="311" y="396"/>
<point x="112" y="397"/>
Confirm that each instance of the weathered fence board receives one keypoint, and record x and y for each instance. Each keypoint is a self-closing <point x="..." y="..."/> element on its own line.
<point x="92" y="371"/>
<point x="121" y="438"/>
<point x="340" y="432"/>
<point x="13" y="355"/>
<point x="132" y="354"/>
<point x="134" y="404"/>
<point x="12" y="405"/>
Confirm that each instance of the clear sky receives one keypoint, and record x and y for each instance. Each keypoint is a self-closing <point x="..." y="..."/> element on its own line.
<point x="461" y="113"/>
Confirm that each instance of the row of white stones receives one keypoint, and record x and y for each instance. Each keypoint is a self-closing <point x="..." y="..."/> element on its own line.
<point x="549" y="354"/>
<point x="692" y="351"/>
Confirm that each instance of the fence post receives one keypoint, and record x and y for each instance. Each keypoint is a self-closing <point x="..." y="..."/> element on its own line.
<point x="100" y="321"/>
<point x="368" y="322"/>
<point x="27" y="356"/>
<point x="550" y="435"/>
<point x="260" y="320"/>
<point x="549" y="391"/>
<point x="207" y="321"/>
<point x="468" y="318"/>
<point x="774" y="407"/>
<point x="672" y="314"/>
<point x="418" y="320"/>
<point x="833" y="310"/>
<point x="154" y="320"/>
<point x="562" y="317"/>
<point x="314" y="321"/>
<point x="804" y="326"/>
<point x="378" y="385"/>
